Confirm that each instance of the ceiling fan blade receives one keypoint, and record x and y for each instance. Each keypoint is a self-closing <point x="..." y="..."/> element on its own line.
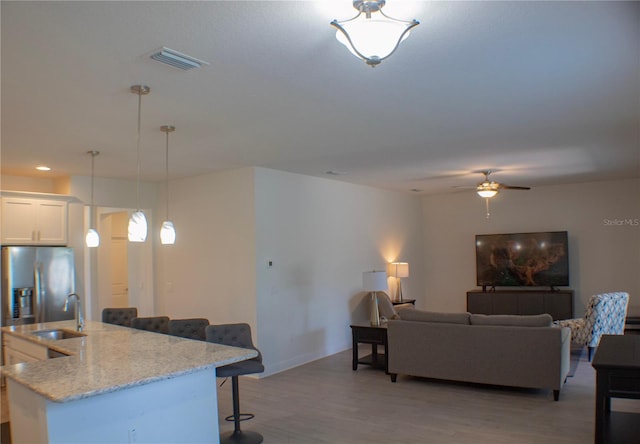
<point x="508" y="187"/>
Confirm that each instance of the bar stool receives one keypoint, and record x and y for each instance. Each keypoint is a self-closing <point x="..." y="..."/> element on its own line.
<point x="156" y="324"/>
<point x="236" y="335"/>
<point x="193" y="328"/>
<point x="119" y="316"/>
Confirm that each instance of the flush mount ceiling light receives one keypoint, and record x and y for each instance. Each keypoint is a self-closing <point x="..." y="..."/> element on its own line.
<point x="372" y="35"/>
<point x="92" y="238"/>
<point x="168" y="231"/>
<point x="138" y="221"/>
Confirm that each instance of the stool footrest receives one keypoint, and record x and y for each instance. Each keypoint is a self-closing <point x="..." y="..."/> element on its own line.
<point x="241" y="417"/>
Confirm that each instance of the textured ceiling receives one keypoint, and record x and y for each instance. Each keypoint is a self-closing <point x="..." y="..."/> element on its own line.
<point x="542" y="92"/>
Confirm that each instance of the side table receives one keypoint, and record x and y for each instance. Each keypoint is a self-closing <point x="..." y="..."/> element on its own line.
<point x="365" y="333"/>
<point x="404" y="301"/>
<point x="632" y="325"/>
<point x="617" y="364"/>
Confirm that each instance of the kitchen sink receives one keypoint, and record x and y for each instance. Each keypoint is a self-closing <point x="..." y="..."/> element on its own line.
<point x="58" y="334"/>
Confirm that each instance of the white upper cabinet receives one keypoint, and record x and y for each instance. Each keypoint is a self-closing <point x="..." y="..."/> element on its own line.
<point x="31" y="221"/>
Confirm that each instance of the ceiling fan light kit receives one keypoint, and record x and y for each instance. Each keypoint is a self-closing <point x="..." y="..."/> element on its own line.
<point x="372" y="35"/>
<point x="488" y="189"/>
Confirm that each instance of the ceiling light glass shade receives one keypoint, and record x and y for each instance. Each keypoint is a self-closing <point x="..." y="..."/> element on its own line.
<point x="371" y="35"/>
<point x="486" y="192"/>
<point x="167" y="233"/>
<point x="137" y="227"/>
<point x="92" y="239"/>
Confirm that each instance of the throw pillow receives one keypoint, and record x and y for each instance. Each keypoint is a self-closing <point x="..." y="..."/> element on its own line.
<point x="413" y="314"/>
<point x="541" y="320"/>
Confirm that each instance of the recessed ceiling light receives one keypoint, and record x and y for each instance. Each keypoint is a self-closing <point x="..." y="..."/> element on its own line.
<point x="43" y="168"/>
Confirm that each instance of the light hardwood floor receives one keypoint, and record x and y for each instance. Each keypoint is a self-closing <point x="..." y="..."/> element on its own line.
<point x="326" y="402"/>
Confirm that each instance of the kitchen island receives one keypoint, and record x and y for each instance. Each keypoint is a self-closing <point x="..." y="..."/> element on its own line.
<point x="117" y="384"/>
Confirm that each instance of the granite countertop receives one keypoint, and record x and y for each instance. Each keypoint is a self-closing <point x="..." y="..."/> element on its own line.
<point x="111" y="358"/>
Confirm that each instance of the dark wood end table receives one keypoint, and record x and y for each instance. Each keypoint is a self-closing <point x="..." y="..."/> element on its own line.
<point x="617" y="364"/>
<point x="404" y="301"/>
<point x="365" y="333"/>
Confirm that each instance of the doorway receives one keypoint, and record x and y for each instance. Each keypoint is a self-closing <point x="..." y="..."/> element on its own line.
<point x="124" y="272"/>
<point x="118" y="260"/>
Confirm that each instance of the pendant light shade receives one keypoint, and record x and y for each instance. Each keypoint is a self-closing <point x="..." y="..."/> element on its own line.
<point x="168" y="231"/>
<point x="138" y="221"/>
<point x="92" y="239"/>
<point x="137" y="227"/>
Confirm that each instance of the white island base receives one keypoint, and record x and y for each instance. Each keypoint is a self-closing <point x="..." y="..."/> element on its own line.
<point x="180" y="409"/>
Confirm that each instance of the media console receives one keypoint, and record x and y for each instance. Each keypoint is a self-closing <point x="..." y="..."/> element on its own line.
<point x="558" y="303"/>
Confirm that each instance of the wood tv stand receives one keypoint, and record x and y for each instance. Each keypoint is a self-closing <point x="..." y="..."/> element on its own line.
<point x="558" y="303"/>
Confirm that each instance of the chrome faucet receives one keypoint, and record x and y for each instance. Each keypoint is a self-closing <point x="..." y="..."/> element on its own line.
<point x="79" y="318"/>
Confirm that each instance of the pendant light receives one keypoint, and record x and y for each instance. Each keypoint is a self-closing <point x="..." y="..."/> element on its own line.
<point x="168" y="231"/>
<point x="138" y="221"/>
<point x="92" y="238"/>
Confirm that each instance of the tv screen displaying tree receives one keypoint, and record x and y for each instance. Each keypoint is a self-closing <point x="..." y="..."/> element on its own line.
<point x="522" y="259"/>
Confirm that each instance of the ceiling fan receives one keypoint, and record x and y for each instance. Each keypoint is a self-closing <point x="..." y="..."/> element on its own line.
<point x="488" y="188"/>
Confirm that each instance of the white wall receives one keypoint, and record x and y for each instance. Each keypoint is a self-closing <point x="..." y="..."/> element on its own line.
<point x="603" y="256"/>
<point x="321" y="235"/>
<point x="209" y="272"/>
<point x="110" y="194"/>
<point x="32" y="184"/>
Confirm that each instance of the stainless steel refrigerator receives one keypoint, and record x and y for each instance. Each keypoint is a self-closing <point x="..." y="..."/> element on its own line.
<point x="35" y="284"/>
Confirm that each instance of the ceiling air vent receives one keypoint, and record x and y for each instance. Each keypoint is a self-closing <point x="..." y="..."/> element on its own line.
<point x="177" y="59"/>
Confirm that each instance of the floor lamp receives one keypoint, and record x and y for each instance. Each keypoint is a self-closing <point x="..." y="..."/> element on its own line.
<point x="374" y="281"/>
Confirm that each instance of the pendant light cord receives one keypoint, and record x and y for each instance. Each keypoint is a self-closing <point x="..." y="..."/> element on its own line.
<point x="138" y="148"/>
<point x="93" y="156"/>
<point x="166" y="174"/>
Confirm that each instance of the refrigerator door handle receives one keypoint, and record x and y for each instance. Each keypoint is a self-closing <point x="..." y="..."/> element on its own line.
<point x="39" y="308"/>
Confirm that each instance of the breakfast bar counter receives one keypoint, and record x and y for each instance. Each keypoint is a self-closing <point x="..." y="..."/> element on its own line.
<point x="117" y="384"/>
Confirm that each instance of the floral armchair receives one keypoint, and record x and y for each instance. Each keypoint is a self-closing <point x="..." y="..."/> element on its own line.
<point x="605" y="315"/>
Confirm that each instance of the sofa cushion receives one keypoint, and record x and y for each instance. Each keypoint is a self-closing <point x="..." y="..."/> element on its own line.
<point x="541" y="320"/>
<point x="413" y="314"/>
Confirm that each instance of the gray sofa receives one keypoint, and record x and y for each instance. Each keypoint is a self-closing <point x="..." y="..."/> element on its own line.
<point x="517" y="351"/>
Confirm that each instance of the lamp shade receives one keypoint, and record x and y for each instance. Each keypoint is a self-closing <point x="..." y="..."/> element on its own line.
<point x="374" y="280"/>
<point x="137" y="227"/>
<point x="399" y="269"/>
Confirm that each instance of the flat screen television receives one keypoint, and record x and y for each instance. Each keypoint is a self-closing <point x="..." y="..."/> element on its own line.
<point x="522" y="259"/>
